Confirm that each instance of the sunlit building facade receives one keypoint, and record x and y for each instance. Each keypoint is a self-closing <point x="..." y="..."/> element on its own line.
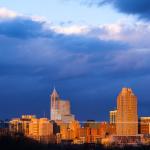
<point x="144" y="125"/>
<point x="127" y="117"/>
<point x="15" y="125"/>
<point x="60" y="109"/>
<point x="41" y="130"/>
<point x="21" y="125"/>
<point x="112" y="116"/>
<point x="122" y="127"/>
<point x="69" y="131"/>
<point x="94" y="132"/>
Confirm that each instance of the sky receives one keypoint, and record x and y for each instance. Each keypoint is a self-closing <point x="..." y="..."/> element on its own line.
<point x="87" y="49"/>
<point x="62" y="11"/>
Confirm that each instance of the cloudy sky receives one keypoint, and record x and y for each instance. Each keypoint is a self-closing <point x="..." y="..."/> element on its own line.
<point x="87" y="49"/>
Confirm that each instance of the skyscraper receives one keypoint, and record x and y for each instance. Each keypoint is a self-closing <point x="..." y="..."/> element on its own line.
<point x="127" y="117"/>
<point x="60" y="109"/>
<point x="54" y="106"/>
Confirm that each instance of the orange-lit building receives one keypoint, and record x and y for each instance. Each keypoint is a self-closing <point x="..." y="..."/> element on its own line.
<point x="111" y="129"/>
<point x="37" y="129"/>
<point x="94" y="132"/>
<point x="89" y="135"/>
<point x="21" y="125"/>
<point x="25" y="120"/>
<point x="15" y="125"/>
<point x="41" y="130"/>
<point x="112" y="116"/>
<point x="144" y="125"/>
<point x="127" y="117"/>
<point x="69" y="131"/>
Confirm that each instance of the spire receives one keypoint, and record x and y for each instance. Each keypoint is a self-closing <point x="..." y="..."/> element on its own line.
<point x="54" y="93"/>
<point x="54" y="90"/>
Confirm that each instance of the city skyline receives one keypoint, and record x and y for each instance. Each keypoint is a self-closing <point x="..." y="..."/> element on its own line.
<point x="88" y="49"/>
<point x="60" y="109"/>
<point x="124" y="127"/>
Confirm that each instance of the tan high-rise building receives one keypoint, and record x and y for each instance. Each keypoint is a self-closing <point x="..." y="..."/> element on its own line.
<point x="54" y="111"/>
<point x="127" y="117"/>
<point x="60" y="109"/>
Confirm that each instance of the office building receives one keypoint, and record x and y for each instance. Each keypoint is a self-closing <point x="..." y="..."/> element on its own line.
<point x="127" y="117"/>
<point x="21" y="125"/>
<point x="60" y="109"/>
<point x="41" y="130"/>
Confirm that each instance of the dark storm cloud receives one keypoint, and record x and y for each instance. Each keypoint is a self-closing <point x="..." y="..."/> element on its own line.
<point x="25" y="43"/>
<point x="89" y="44"/>
<point x="22" y="28"/>
<point x="83" y="67"/>
<point x="141" y="8"/>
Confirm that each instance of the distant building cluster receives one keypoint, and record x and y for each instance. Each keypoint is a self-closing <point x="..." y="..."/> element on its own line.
<point x="124" y="126"/>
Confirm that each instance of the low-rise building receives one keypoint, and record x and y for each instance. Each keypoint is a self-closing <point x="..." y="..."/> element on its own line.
<point x="69" y="131"/>
<point x="21" y="125"/>
<point x="41" y="130"/>
<point x="144" y="125"/>
<point x="112" y="116"/>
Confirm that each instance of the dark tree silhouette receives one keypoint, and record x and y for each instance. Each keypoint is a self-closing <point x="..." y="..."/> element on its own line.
<point x="19" y="142"/>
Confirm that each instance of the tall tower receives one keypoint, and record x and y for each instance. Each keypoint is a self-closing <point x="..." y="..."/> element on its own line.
<point x="60" y="109"/>
<point x="127" y="117"/>
<point x="54" y="105"/>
